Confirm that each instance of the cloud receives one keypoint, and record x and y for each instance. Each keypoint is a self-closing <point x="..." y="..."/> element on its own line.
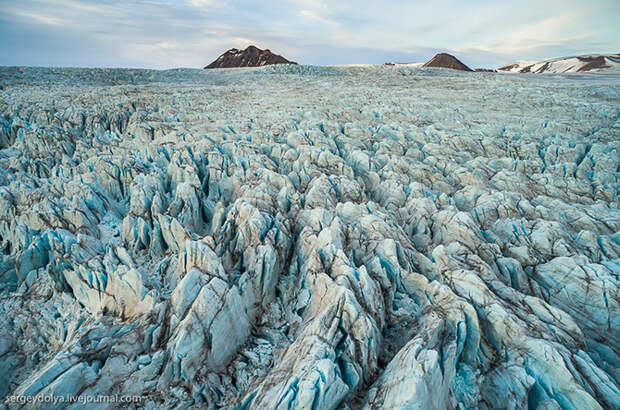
<point x="41" y="18"/>
<point x="316" y="16"/>
<point x="169" y="33"/>
<point x="206" y="3"/>
<point x="554" y="30"/>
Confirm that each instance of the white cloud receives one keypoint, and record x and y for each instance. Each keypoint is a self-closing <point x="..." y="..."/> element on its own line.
<point x="39" y="17"/>
<point x="554" y="30"/>
<point x="206" y="3"/>
<point x="165" y="33"/>
<point x="316" y="16"/>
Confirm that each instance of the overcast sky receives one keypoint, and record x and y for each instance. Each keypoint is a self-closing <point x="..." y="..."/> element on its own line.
<point x="192" y="33"/>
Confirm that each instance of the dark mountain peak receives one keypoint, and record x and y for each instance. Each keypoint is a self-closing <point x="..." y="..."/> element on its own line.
<point x="252" y="56"/>
<point x="445" y="60"/>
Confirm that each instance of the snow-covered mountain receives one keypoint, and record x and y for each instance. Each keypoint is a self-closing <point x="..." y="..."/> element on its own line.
<point x="576" y="64"/>
<point x="393" y="63"/>
<point x="441" y="60"/>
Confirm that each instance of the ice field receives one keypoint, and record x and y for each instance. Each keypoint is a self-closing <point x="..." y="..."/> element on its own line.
<point x="298" y="237"/>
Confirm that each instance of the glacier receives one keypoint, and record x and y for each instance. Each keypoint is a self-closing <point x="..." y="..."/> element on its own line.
<point x="299" y="237"/>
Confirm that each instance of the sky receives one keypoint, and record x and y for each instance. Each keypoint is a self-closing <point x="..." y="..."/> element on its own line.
<point x="192" y="33"/>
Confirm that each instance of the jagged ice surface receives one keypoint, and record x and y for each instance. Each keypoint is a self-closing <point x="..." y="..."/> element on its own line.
<point x="306" y="237"/>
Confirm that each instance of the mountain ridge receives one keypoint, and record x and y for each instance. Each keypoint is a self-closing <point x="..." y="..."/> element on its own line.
<point x="251" y="56"/>
<point x="572" y="64"/>
<point x="445" y="60"/>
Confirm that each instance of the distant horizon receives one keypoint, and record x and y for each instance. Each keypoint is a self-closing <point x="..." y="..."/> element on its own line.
<point x="301" y="63"/>
<point x="167" y="34"/>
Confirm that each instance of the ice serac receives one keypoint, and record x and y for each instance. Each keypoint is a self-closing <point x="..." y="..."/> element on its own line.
<point x="299" y="237"/>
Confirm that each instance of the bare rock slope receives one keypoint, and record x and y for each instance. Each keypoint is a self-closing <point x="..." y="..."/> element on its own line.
<point x="250" y="57"/>
<point x="300" y="237"/>
<point x="444" y="60"/>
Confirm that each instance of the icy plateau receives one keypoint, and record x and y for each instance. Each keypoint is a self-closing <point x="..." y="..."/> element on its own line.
<point x="297" y="237"/>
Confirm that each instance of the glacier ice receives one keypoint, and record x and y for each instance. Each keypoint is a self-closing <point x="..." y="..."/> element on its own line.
<point x="310" y="237"/>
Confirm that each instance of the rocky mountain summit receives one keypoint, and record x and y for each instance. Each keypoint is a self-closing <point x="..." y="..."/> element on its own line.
<point x="245" y="239"/>
<point x="250" y="57"/>
<point x="579" y="64"/>
<point x="444" y="60"/>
